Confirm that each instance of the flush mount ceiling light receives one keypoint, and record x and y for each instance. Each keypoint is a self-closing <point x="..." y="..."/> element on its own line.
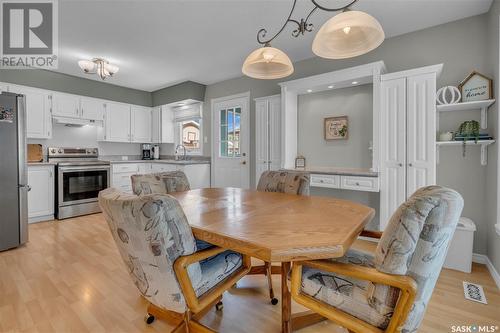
<point x="98" y="66"/>
<point x="346" y="35"/>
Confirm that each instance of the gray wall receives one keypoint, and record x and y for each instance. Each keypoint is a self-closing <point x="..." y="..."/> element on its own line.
<point x="75" y="85"/>
<point x="460" y="45"/>
<point x="493" y="240"/>
<point x="179" y="92"/>
<point x="357" y="104"/>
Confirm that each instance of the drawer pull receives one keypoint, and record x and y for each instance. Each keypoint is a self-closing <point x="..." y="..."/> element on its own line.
<point x="357" y="183"/>
<point x="321" y="181"/>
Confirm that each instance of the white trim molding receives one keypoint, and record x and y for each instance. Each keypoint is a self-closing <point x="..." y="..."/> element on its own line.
<point x="483" y="259"/>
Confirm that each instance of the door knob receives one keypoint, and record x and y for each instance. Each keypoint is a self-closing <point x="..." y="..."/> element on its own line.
<point x="244" y="162"/>
<point x="409" y="164"/>
<point x="400" y="164"/>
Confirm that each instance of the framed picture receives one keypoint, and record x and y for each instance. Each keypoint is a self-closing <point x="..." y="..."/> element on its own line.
<point x="476" y="87"/>
<point x="336" y="128"/>
<point x="300" y="162"/>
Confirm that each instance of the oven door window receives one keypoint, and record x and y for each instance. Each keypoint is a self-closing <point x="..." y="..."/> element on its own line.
<point x="83" y="185"/>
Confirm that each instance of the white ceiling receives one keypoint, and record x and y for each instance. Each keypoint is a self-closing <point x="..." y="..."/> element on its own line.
<point x="160" y="43"/>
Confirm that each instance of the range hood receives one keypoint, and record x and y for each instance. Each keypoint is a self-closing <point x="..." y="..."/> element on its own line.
<point x="77" y="122"/>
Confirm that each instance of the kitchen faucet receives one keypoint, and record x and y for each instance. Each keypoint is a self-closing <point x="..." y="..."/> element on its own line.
<point x="177" y="157"/>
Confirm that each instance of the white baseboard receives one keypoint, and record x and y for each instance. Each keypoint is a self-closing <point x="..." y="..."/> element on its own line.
<point x="40" y="219"/>
<point x="483" y="259"/>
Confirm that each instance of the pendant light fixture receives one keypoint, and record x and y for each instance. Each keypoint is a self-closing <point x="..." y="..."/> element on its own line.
<point x="348" y="34"/>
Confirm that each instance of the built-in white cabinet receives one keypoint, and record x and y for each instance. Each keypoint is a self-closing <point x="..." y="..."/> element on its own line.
<point x="408" y="141"/>
<point x="163" y="129"/>
<point x="38" y="111"/>
<point x="41" y="195"/>
<point x="125" y="123"/>
<point x="73" y="106"/>
<point x="345" y="182"/>
<point x="267" y="134"/>
<point x="140" y="124"/>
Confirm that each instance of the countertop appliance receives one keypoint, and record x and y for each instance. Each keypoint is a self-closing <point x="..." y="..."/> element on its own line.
<point x="147" y="153"/>
<point x="80" y="178"/>
<point x="156" y="152"/>
<point x="13" y="172"/>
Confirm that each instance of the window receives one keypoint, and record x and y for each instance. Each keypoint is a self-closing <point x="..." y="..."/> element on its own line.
<point x="230" y="132"/>
<point x="190" y="135"/>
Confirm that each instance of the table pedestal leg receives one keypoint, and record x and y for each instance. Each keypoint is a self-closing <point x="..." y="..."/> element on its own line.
<point x="286" y="300"/>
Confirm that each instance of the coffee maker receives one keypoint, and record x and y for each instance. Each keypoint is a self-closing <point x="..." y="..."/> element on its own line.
<point x="147" y="153"/>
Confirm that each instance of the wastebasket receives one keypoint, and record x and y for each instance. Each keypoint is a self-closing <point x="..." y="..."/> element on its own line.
<point x="459" y="255"/>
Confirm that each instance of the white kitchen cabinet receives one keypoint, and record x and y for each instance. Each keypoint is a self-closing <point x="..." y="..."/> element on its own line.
<point x="38" y="111"/>
<point x="140" y="130"/>
<point x="92" y="108"/>
<point x="66" y="105"/>
<point x="162" y="167"/>
<point x="41" y="195"/>
<point x="117" y="122"/>
<point x="268" y="134"/>
<point x="163" y="125"/>
<point x="198" y="175"/>
<point x="408" y="136"/>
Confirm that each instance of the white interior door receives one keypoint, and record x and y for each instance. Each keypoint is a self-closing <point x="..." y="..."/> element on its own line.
<point x="421" y="127"/>
<point x="231" y="141"/>
<point x="261" y="138"/>
<point x="393" y="148"/>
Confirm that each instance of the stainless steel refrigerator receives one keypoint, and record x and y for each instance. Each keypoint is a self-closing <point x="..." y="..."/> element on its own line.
<point x="13" y="172"/>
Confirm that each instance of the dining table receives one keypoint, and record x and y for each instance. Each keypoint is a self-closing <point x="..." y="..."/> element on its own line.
<point x="276" y="227"/>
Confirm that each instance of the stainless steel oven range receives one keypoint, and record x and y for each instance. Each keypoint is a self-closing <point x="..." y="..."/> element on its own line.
<point x="80" y="177"/>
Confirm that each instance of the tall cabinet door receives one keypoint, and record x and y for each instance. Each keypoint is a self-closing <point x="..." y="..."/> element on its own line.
<point x="141" y="124"/>
<point x="38" y="111"/>
<point x="421" y="131"/>
<point x="117" y="122"/>
<point x="393" y="147"/>
<point x="261" y="138"/>
<point x="275" y="133"/>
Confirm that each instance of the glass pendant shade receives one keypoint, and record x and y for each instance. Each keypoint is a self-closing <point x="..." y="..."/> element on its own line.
<point x="348" y="34"/>
<point x="111" y="69"/>
<point x="87" y="66"/>
<point x="267" y="63"/>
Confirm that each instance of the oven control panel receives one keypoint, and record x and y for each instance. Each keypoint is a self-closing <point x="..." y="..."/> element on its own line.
<point x="72" y="152"/>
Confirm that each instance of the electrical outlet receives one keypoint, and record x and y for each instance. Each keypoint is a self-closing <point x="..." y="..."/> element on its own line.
<point x="124" y="158"/>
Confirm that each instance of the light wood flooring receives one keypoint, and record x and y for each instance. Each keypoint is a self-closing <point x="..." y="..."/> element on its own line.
<point x="70" y="278"/>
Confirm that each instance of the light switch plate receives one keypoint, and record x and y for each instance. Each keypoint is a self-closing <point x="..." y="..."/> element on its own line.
<point x="497" y="228"/>
<point x="205" y="140"/>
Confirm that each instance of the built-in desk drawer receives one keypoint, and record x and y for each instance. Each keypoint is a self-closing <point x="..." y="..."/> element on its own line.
<point x="330" y="181"/>
<point x="358" y="183"/>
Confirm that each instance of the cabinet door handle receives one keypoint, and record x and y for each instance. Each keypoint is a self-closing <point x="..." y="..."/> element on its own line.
<point x="410" y="164"/>
<point x="76" y="111"/>
<point x="400" y="164"/>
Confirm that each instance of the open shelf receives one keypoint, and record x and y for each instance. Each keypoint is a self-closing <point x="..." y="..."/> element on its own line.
<point x="469" y="106"/>
<point x="481" y="143"/>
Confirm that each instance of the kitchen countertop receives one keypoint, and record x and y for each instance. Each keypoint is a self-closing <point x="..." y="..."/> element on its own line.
<point x="40" y="163"/>
<point x="179" y="162"/>
<point x="338" y="171"/>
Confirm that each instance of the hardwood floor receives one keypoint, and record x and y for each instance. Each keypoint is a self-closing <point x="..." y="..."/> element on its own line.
<point x="70" y="278"/>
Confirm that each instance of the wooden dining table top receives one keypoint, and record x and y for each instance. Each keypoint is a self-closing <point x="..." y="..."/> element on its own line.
<point x="274" y="226"/>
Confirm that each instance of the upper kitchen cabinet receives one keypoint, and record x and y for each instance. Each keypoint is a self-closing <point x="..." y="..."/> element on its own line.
<point x="38" y="111"/>
<point x="117" y="123"/>
<point x="66" y="105"/>
<point x="92" y="108"/>
<point x="163" y="125"/>
<point x="140" y="118"/>
<point x="72" y="106"/>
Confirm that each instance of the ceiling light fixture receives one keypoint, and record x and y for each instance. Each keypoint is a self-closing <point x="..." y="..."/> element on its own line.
<point x="98" y="66"/>
<point x="346" y="35"/>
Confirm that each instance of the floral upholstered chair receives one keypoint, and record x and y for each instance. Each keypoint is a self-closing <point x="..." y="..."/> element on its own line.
<point x="163" y="183"/>
<point x="284" y="181"/>
<point x="292" y="182"/>
<point x="390" y="289"/>
<point x="157" y="246"/>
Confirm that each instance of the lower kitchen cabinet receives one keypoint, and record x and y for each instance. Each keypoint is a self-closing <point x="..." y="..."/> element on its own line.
<point x="41" y="195"/>
<point x="198" y="174"/>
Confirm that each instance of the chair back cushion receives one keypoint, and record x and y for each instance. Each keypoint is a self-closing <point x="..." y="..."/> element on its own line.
<point x="416" y="241"/>
<point x="151" y="232"/>
<point x="160" y="183"/>
<point x="291" y="182"/>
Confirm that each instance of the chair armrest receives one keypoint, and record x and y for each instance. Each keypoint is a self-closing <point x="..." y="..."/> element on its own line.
<point x="194" y="303"/>
<point x="406" y="284"/>
<point x="371" y="234"/>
